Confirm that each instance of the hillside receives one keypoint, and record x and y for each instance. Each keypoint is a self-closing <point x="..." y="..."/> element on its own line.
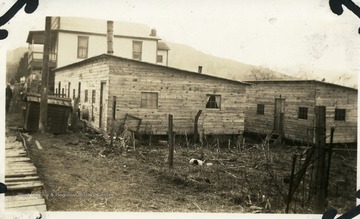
<point x="12" y="61"/>
<point x="185" y="57"/>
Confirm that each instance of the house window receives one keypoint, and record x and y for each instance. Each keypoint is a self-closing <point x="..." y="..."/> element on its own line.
<point x="83" y="43"/>
<point x="260" y="109"/>
<point x="340" y="114"/>
<point x="213" y="101"/>
<point x="86" y="96"/>
<point x="73" y="94"/>
<point x="137" y="49"/>
<point x="159" y="59"/>
<point x="303" y="112"/>
<point x="93" y="96"/>
<point x="149" y="100"/>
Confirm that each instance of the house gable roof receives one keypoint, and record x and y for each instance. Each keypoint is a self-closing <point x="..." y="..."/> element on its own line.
<point x="163" y="46"/>
<point x="107" y="56"/>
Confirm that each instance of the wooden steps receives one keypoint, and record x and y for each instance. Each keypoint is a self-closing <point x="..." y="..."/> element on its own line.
<point x="21" y="175"/>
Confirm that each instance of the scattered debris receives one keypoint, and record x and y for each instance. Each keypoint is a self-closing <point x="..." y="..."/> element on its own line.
<point x="38" y="145"/>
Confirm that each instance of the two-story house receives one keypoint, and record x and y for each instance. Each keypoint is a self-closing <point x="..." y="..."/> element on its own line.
<point x="74" y="39"/>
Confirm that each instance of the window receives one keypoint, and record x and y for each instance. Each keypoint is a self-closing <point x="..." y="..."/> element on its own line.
<point x="213" y="101"/>
<point x="93" y="96"/>
<point x="303" y="112"/>
<point x="86" y="96"/>
<point x="159" y="59"/>
<point x="149" y="100"/>
<point x="260" y="109"/>
<point x="73" y="94"/>
<point x="83" y="43"/>
<point x="137" y="49"/>
<point x="340" y="114"/>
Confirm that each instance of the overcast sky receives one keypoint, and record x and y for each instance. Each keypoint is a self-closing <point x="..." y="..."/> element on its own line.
<point x="291" y="36"/>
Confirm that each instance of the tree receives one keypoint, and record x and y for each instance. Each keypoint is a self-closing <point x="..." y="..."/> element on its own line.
<point x="259" y="74"/>
<point x="22" y="67"/>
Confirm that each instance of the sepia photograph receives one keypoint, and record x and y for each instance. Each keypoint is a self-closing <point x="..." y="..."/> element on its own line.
<point x="136" y="107"/>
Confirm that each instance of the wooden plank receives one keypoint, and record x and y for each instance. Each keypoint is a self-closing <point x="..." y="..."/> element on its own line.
<point x="19" y="174"/>
<point x="15" y="198"/>
<point x="23" y="178"/>
<point x="24" y="202"/>
<point x="17" y="159"/>
<point x="38" y="145"/>
<point x="36" y="208"/>
<point x="24" y="185"/>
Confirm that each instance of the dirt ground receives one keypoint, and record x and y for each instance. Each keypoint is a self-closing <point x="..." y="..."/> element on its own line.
<point x="81" y="173"/>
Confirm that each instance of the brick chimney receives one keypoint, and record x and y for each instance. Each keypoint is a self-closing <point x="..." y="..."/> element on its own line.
<point x="153" y="32"/>
<point x="110" y="37"/>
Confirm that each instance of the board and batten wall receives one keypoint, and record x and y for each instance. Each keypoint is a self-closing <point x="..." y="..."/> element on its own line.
<point x="306" y="94"/>
<point x="180" y="93"/>
<point x="336" y="97"/>
<point x="90" y="74"/>
<point x="296" y="95"/>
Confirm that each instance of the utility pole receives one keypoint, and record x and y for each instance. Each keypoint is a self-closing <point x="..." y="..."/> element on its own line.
<point x="45" y="78"/>
<point x="320" y="141"/>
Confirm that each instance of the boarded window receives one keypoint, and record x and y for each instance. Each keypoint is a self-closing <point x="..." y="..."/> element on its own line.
<point x="340" y="114"/>
<point x="213" y="101"/>
<point x="149" y="100"/>
<point x="303" y="112"/>
<point x="93" y="96"/>
<point x="260" y="109"/>
<point x="86" y="96"/>
<point x="159" y="59"/>
<point x="137" y="49"/>
<point x="83" y="43"/>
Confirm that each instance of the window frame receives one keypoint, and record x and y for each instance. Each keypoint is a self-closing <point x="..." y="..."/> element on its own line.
<point x="159" y="59"/>
<point x="144" y="100"/>
<point x="210" y="100"/>
<point x="340" y="114"/>
<point x="301" y="114"/>
<point x="86" y="95"/>
<point x="93" y="96"/>
<point x="134" y="42"/>
<point x="83" y="48"/>
<point x="260" y="109"/>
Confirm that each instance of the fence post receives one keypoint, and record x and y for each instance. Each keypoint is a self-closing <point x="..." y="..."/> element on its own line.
<point x="113" y="122"/>
<point x="329" y="161"/>
<point x="171" y="141"/>
<point x="291" y="183"/>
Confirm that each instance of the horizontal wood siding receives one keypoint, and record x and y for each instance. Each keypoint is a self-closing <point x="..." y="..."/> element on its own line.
<point x="181" y="94"/>
<point x="343" y="98"/>
<point x="90" y="75"/>
<point x="296" y="95"/>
